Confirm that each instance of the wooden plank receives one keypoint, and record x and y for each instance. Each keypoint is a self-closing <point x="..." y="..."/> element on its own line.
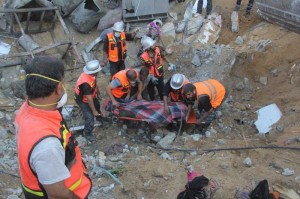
<point x="67" y="32"/>
<point x="41" y="21"/>
<point x="27" y="10"/>
<point x="19" y="23"/>
<point x="35" y="51"/>
<point x="27" y="22"/>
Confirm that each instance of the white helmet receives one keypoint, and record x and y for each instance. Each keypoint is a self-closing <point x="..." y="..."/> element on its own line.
<point x="158" y="21"/>
<point x="118" y="26"/>
<point x="147" y="42"/>
<point x="92" y="67"/>
<point x="177" y="81"/>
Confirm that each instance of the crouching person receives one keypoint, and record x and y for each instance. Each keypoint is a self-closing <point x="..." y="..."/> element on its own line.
<point x="119" y="88"/>
<point x="209" y="95"/>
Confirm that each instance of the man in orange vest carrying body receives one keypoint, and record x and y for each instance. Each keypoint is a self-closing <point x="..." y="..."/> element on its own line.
<point x="114" y="48"/>
<point x="209" y="95"/>
<point x="49" y="157"/>
<point x="152" y="59"/>
<point x="87" y="95"/>
<point x="119" y="88"/>
<point x="174" y="89"/>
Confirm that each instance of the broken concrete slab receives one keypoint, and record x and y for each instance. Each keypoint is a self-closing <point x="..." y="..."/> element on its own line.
<point x="234" y="21"/>
<point x="263" y="80"/>
<point x="239" y="40"/>
<point x="27" y="43"/>
<point x="266" y="117"/>
<point x="167" y="140"/>
<point x="86" y="16"/>
<point x="194" y="25"/>
<point x="168" y="34"/>
<point x="111" y="17"/>
<point x="66" y="6"/>
<point x="180" y="26"/>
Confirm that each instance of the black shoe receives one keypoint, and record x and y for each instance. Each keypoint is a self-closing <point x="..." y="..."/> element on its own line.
<point x="237" y="8"/>
<point x="247" y="13"/>
<point x="90" y="137"/>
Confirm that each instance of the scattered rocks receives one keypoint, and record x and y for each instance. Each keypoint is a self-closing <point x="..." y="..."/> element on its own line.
<point x="196" y="60"/>
<point x="248" y="162"/>
<point x="157" y="138"/>
<point x="240" y="106"/>
<point x="263" y="80"/>
<point x="226" y="130"/>
<point x="196" y="137"/>
<point x="111" y="17"/>
<point x="240" y="86"/>
<point x="194" y="25"/>
<point x="3" y="133"/>
<point x="158" y="172"/>
<point x="280" y="128"/>
<point x="288" y="172"/>
<point x="220" y="141"/>
<point x="166" y="156"/>
<point x="82" y="141"/>
<point x="167" y="140"/>
<point x="239" y="40"/>
<point x="168" y="34"/>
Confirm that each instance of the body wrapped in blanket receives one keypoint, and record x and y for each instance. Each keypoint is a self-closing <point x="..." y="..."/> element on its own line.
<point x="152" y="112"/>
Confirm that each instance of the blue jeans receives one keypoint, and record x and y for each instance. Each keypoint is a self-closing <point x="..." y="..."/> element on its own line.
<point x="88" y="115"/>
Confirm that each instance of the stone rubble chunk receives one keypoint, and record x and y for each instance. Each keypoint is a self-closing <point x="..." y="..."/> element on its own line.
<point x="263" y="80"/>
<point x="194" y="25"/>
<point x="288" y="172"/>
<point x="240" y="86"/>
<point x="239" y="40"/>
<point x="82" y="141"/>
<point x="196" y="137"/>
<point x="167" y="140"/>
<point x="248" y="162"/>
<point x="196" y="60"/>
<point x="262" y="45"/>
<point x="166" y="156"/>
<point x="235" y="21"/>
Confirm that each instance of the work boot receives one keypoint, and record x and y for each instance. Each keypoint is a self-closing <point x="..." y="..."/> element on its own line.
<point x="90" y="137"/>
<point x="247" y="13"/>
<point x="237" y="8"/>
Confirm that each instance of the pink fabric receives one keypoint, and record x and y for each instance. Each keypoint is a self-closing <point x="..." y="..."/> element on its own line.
<point x="192" y="174"/>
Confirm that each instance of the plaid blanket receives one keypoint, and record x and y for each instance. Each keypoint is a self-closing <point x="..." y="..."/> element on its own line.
<point x="153" y="111"/>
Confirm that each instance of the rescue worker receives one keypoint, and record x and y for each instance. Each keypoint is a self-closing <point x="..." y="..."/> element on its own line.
<point x="114" y="48"/>
<point x="87" y="95"/>
<point x="154" y="29"/>
<point x="119" y="88"/>
<point x="209" y="95"/>
<point x="50" y="163"/>
<point x="174" y="89"/>
<point x="152" y="59"/>
<point x="138" y="90"/>
<point x="249" y="7"/>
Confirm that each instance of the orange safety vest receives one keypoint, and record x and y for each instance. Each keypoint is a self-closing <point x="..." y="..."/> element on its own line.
<point x="213" y="88"/>
<point x="85" y="78"/>
<point x="120" y="91"/>
<point x="177" y="95"/>
<point x="156" y="67"/>
<point x="113" y="47"/>
<point x="33" y="125"/>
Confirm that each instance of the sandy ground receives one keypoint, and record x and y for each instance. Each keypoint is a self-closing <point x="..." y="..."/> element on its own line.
<point x="226" y="167"/>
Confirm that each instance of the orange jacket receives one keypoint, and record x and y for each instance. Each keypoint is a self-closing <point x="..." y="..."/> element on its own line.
<point x="119" y="92"/>
<point x="177" y="95"/>
<point x="34" y="125"/>
<point x="85" y="78"/>
<point x="156" y="67"/>
<point x="214" y="89"/>
<point x="113" y="47"/>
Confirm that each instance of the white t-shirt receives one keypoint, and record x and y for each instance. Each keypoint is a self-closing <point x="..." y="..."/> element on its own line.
<point x="48" y="161"/>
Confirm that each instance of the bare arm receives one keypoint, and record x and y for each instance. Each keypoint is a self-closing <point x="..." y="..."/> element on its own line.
<point x="166" y="107"/>
<point x="105" y="58"/>
<point x="111" y="96"/>
<point x="140" y="90"/>
<point x="92" y="105"/>
<point x="59" y="191"/>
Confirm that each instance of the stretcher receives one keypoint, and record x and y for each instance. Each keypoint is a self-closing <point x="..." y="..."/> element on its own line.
<point x="191" y="119"/>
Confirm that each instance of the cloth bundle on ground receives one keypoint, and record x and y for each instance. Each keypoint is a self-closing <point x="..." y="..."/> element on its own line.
<point x="198" y="187"/>
<point x="152" y="112"/>
<point x="261" y="191"/>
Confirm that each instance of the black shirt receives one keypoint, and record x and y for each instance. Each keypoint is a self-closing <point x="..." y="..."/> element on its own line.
<point x="167" y="88"/>
<point x="204" y="103"/>
<point x="105" y="45"/>
<point x="84" y="89"/>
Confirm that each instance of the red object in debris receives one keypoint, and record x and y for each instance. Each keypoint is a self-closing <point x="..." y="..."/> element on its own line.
<point x="192" y="174"/>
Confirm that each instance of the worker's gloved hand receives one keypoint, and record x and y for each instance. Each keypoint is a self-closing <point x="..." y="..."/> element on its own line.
<point x="172" y="66"/>
<point x="154" y="80"/>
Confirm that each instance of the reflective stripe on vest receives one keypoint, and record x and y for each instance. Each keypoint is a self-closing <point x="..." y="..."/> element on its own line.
<point x="177" y="95"/>
<point x="91" y="81"/>
<point x="213" y="88"/>
<point x="155" y="63"/>
<point x="120" y="91"/>
<point x="113" y="47"/>
<point x="34" y="125"/>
